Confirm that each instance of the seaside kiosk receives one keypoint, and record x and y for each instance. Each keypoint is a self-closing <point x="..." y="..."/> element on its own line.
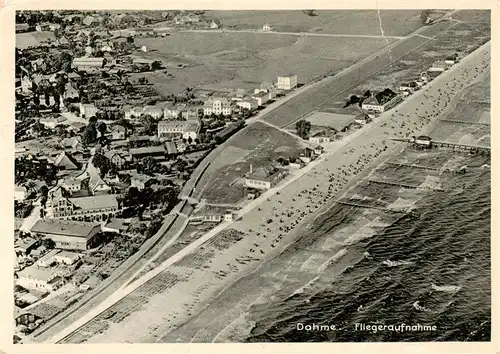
<point x="422" y="141"/>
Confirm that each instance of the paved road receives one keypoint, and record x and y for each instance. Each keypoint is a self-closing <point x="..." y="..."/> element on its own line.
<point x="310" y="34"/>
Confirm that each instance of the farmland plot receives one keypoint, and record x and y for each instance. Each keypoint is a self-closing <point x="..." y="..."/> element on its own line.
<point x="327" y="91"/>
<point x="361" y="22"/>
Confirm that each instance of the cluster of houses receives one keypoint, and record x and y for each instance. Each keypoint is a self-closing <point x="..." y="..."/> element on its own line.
<point x="241" y="99"/>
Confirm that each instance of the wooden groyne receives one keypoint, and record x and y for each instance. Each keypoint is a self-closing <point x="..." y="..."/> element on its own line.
<point x="412" y="166"/>
<point x="357" y="205"/>
<point x="463" y="122"/>
<point x="403" y="185"/>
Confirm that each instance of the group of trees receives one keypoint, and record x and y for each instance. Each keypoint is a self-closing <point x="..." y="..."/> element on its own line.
<point x="425" y="16"/>
<point x="303" y="128"/>
<point x="90" y="134"/>
<point x="104" y="164"/>
<point x="33" y="169"/>
<point x="150" y="166"/>
<point x="357" y="99"/>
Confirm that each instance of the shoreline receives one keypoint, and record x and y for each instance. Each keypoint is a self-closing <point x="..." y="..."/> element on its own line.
<point x="354" y="179"/>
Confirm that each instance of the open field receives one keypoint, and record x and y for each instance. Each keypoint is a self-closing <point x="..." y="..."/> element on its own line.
<point x="362" y="22"/>
<point x="326" y="91"/>
<point x="473" y="16"/>
<point x="257" y="145"/>
<point x="462" y="37"/>
<point x="34" y="39"/>
<point x="244" y="60"/>
<point x="406" y="58"/>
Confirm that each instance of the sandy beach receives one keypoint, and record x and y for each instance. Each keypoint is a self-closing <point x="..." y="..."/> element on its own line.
<point x="264" y="231"/>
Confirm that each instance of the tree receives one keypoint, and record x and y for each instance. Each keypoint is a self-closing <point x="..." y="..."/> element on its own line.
<point x="424" y="16"/>
<point x="148" y="165"/>
<point x="150" y="125"/>
<point x="89" y="135"/>
<point x="142" y="80"/>
<point x="103" y="164"/>
<point x="303" y="127"/>
<point x="48" y="243"/>
<point x="156" y="65"/>
<point x="101" y="128"/>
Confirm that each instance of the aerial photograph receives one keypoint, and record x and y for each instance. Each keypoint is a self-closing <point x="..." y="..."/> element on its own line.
<point x="252" y="176"/>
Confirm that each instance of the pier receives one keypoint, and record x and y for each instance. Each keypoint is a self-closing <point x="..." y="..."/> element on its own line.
<point x="483" y="150"/>
<point x="403" y="185"/>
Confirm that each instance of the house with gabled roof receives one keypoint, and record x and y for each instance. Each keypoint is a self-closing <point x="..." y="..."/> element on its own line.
<point x="68" y="234"/>
<point x="91" y="208"/>
<point x="381" y="101"/>
<point x="264" y="178"/>
<point x="65" y="161"/>
<point x="90" y="20"/>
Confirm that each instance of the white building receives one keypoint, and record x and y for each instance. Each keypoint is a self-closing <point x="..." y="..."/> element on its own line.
<point x="264" y="178"/>
<point x="381" y="101"/>
<point x="249" y="104"/>
<point x="267" y="27"/>
<point x="439" y="66"/>
<point x="179" y="128"/>
<point x="262" y="98"/>
<point x="287" y="82"/>
<point x="217" y="106"/>
<point x="43" y="279"/>
<point x="423" y="140"/>
<point x="319" y="139"/>
<point x="67" y="257"/>
<point x="48" y="259"/>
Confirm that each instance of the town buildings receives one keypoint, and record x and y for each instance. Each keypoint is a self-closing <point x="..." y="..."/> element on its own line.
<point x="67" y="234"/>
<point x="157" y="152"/>
<point x="88" y="110"/>
<point x="287" y="82"/>
<point x="91" y="208"/>
<point x="438" y="66"/>
<point x="319" y="139"/>
<point x="261" y="98"/>
<point x="249" y="104"/>
<point x="37" y="278"/>
<point x="118" y="158"/>
<point x="88" y="63"/>
<point x="185" y="129"/>
<point x="157" y="112"/>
